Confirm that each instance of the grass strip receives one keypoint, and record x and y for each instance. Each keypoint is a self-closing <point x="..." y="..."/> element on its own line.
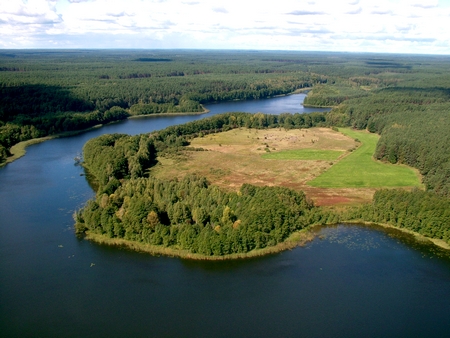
<point x="360" y="170"/>
<point x="304" y="154"/>
<point x="298" y="238"/>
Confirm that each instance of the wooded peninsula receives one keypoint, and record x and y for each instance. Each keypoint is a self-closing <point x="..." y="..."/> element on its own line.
<point x="402" y="100"/>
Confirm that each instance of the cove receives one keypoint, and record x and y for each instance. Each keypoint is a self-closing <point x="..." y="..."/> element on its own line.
<point x="350" y="281"/>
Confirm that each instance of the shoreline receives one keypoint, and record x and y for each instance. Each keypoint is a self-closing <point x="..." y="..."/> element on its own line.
<point x="297" y="91"/>
<point x="205" y="111"/>
<point x="19" y="149"/>
<point x="417" y="236"/>
<point x="298" y="238"/>
<point x="315" y="106"/>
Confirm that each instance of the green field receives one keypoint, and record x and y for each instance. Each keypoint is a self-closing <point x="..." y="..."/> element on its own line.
<point x="360" y="170"/>
<point x="304" y="154"/>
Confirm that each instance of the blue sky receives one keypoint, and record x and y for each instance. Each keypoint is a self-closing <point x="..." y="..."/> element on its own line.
<point x="393" y="26"/>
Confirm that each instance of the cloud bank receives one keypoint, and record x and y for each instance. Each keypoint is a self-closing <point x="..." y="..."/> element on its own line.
<point x="342" y="25"/>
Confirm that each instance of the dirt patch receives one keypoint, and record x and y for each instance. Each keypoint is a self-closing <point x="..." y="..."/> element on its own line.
<point x="340" y="197"/>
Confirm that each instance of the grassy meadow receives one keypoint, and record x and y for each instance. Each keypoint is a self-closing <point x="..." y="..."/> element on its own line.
<point x="274" y="157"/>
<point x="360" y="170"/>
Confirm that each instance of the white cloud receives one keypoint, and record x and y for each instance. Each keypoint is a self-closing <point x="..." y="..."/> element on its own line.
<point x="422" y="4"/>
<point x="305" y="12"/>
<point x="353" y="25"/>
<point x="219" y="10"/>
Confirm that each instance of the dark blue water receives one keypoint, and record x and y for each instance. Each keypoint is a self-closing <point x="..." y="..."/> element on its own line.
<point x="350" y="282"/>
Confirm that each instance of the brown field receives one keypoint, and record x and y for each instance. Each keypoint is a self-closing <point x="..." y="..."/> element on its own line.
<point x="234" y="157"/>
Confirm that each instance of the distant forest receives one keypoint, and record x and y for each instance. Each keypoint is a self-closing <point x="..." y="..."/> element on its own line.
<point x="403" y="98"/>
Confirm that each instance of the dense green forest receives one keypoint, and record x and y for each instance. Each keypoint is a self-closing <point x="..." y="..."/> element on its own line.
<point x="403" y="98"/>
<point x="191" y="215"/>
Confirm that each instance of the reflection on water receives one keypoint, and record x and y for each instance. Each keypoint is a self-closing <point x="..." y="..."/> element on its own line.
<point x="356" y="238"/>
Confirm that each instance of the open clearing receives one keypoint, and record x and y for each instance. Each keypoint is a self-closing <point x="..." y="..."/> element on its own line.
<point x="273" y="157"/>
<point x="360" y="169"/>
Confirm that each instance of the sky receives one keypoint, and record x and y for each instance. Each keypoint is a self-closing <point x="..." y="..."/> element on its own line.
<point x="387" y="26"/>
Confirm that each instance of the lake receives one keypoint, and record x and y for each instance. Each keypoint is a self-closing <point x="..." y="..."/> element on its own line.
<point x="352" y="281"/>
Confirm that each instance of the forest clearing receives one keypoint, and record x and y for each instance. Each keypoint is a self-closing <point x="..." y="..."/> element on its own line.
<point x="324" y="163"/>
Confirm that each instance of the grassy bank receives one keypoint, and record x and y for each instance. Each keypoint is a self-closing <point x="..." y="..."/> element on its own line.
<point x="18" y="150"/>
<point x="299" y="238"/>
